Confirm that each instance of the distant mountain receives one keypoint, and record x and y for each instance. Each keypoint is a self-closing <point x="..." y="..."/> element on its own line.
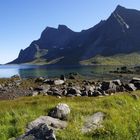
<point x="119" y="34"/>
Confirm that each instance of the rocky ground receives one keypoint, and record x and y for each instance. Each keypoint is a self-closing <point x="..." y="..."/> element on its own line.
<point x="44" y="127"/>
<point x="70" y="86"/>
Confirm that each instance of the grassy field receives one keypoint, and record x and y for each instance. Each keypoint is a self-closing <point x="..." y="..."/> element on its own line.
<point x="122" y="121"/>
<point x="122" y="59"/>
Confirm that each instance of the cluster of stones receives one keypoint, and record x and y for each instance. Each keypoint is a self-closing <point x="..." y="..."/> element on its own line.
<point x="44" y="127"/>
<point x="61" y="87"/>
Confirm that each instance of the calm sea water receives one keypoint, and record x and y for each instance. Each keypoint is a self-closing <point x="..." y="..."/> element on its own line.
<point x="31" y="71"/>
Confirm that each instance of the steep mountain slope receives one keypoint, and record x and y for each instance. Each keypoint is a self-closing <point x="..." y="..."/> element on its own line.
<point x="119" y="34"/>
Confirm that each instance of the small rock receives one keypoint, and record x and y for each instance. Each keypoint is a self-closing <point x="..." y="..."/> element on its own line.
<point x="34" y="93"/>
<point x="73" y="91"/>
<point x="136" y="82"/>
<point x="96" y="93"/>
<point x="48" y="81"/>
<point x="108" y="86"/>
<point x="130" y="87"/>
<point x="59" y="97"/>
<point x="62" y="77"/>
<point x="90" y="88"/>
<point x="40" y="79"/>
<point x="117" y="82"/>
<point x="59" y="82"/>
<point x="61" y="111"/>
<point x="84" y="93"/>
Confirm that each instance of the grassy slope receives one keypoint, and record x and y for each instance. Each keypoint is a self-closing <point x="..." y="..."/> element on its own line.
<point x="122" y="59"/>
<point x="122" y="116"/>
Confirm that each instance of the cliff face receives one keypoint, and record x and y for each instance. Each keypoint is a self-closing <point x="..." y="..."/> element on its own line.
<point x="119" y="34"/>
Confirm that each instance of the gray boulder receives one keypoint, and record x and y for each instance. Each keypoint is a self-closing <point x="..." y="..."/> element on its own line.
<point x="130" y="87"/>
<point x="117" y="82"/>
<point x="40" y="132"/>
<point x="93" y="122"/>
<point x="62" y="77"/>
<point x="52" y="123"/>
<point x="96" y="93"/>
<point x="34" y="93"/>
<point x="59" y="82"/>
<point x="74" y="90"/>
<point x="136" y="82"/>
<point x="61" y="111"/>
<point x="108" y="86"/>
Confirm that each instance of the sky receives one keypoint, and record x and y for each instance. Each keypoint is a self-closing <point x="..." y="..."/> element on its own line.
<point x="22" y="21"/>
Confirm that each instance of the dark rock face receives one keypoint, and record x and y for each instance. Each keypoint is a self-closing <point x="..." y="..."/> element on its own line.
<point x="40" y="132"/>
<point x="118" y="34"/>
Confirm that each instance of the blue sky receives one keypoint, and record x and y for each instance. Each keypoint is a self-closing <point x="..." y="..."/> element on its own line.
<point x="22" y="21"/>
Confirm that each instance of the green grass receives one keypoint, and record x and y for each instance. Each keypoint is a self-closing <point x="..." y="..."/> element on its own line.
<point x="121" y="59"/>
<point x="122" y="121"/>
<point x="41" y="61"/>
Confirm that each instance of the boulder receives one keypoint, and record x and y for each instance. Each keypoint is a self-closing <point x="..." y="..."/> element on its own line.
<point x="56" y="91"/>
<point x="61" y="111"/>
<point x="48" y="81"/>
<point x="93" y="122"/>
<point x="136" y="82"/>
<point x="42" y="88"/>
<point x="52" y="123"/>
<point x="117" y="82"/>
<point x="97" y="93"/>
<point x="73" y="90"/>
<point x="108" y="86"/>
<point x="84" y="93"/>
<point x="62" y="77"/>
<point x="130" y="87"/>
<point x="59" y="82"/>
<point x="39" y="79"/>
<point x="34" y="93"/>
<point x="1" y="87"/>
<point x="40" y="132"/>
<point x="90" y="88"/>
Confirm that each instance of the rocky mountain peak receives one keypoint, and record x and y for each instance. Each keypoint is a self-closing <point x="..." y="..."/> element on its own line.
<point x="63" y="28"/>
<point x="119" y="34"/>
<point x="119" y="8"/>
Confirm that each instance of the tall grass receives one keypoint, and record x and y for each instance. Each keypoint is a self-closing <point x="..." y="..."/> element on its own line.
<point x="122" y="121"/>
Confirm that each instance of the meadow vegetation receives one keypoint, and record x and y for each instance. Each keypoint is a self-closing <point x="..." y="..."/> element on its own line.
<point x="122" y="119"/>
<point x="119" y="59"/>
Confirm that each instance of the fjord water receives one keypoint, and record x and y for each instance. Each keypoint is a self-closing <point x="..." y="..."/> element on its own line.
<point x="32" y="71"/>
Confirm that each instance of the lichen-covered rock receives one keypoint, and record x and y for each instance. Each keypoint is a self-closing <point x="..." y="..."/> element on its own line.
<point x="52" y="123"/>
<point x="61" y="111"/>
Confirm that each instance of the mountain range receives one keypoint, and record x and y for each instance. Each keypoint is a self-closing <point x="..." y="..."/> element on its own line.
<point x="112" y="41"/>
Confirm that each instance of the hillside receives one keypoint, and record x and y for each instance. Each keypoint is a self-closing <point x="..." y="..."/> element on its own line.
<point x="118" y="35"/>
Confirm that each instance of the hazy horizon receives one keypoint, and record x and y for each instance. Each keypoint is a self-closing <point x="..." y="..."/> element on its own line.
<point x="22" y="22"/>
